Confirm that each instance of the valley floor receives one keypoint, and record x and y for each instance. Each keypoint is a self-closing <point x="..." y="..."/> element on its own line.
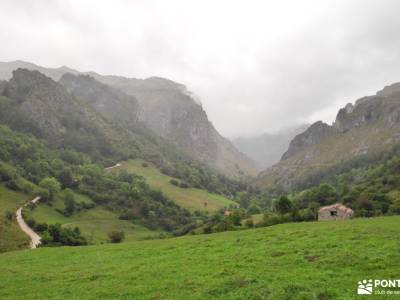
<point x="317" y="260"/>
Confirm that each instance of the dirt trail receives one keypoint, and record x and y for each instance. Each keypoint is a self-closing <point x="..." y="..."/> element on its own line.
<point x="35" y="238"/>
<point x="112" y="167"/>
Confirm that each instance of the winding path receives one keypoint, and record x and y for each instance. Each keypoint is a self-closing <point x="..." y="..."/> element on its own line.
<point x="112" y="167"/>
<point x="35" y="238"/>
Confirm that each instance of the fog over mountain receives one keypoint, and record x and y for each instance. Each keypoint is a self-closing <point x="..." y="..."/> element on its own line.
<point x="267" y="149"/>
<point x="256" y="66"/>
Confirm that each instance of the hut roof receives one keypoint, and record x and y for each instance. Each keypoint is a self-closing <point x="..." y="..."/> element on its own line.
<point x="337" y="206"/>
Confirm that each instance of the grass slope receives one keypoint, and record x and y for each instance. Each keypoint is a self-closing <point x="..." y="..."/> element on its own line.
<point x="191" y="198"/>
<point x="11" y="237"/>
<point x="318" y="260"/>
<point x="95" y="223"/>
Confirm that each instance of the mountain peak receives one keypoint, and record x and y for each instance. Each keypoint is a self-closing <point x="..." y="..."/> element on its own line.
<point x="313" y="135"/>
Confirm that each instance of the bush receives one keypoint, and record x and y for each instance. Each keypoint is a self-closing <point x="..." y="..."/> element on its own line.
<point x="249" y="223"/>
<point x="270" y="219"/>
<point x="7" y="172"/>
<point x="116" y="236"/>
<point x="9" y="215"/>
<point x="52" y="185"/>
<point x="174" y="182"/>
<point x="24" y="185"/>
<point x="42" y="193"/>
<point x="184" y="185"/>
<point x="69" y="202"/>
<point x="283" y="205"/>
<point x="57" y="235"/>
<point x="253" y="209"/>
<point x="145" y="165"/>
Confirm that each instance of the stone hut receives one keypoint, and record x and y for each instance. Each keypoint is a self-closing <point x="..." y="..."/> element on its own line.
<point x="334" y="212"/>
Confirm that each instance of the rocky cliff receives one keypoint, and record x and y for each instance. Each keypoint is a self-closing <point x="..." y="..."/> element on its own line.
<point x="34" y="103"/>
<point x="106" y="100"/>
<point x="164" y="106"/>
<point x="372" y="124"/>
<point x="170" y="110"/>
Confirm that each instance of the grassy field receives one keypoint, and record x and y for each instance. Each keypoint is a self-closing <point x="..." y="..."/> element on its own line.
<point x="11" y="236"/>
<point x="318" y="260"/>
<point x="191" y="198"/>
<point x="95" y="224"/>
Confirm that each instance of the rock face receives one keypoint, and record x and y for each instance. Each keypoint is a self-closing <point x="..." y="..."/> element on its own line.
<point x="169" y="109"/>
<point x="372" y="124"/>
<point x="267" y="149"/>
<point x="35" y="103"/>
<point x="312" y="136"/>
<point x="164" y="106"/>
<point x="108" y="101"/>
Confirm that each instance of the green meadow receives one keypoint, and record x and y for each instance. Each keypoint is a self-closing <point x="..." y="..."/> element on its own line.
<point x="190" y="198"/>
<point x="95" y="223"/>
<point x="11" y="236"/>
<point x="314" y="260"/>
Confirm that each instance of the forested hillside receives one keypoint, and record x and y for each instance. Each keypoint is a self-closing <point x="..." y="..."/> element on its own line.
<point x="165" y="107"/>
<point x="56" y="141"/>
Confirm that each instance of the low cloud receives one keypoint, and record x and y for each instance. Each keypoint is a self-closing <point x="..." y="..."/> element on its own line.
<point x="257" y="66"/>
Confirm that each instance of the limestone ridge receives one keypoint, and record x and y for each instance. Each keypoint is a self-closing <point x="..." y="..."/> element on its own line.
<point x="370" y="125"/>
<point x="169" y="109"/>
<point x="313" y="135"/>
<point x="108" y="101"/>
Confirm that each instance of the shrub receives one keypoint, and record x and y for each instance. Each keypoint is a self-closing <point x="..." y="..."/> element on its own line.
<point x="9" y="215"/>
<point x="249" y="223"/>
<point x="253" y="209"/>
<point x="116" y="236"/>
<point x="57" y="235"/>
<point x="69" y="202"/>
<point x="52" y="185"/>
<point x="174" y="182"/>
<point x="184" y="185"/>
<point x="7" y="172"/>
<point x="283" y="205"/>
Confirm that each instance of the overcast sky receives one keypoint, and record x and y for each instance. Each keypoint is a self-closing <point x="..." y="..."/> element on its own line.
<point x="257" y="66"/>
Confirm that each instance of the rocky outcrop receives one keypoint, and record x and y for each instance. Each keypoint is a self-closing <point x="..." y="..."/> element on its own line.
<point x="106" y="100"/>
<point x="371" y="125"/>
<point x="312" y="136"/>
<point x="389" y="90"/>
<point x="171" y="110"/>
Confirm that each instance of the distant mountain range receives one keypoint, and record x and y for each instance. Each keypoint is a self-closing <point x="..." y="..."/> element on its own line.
<point x="267" y="149"/>
<point x="371" y="125"/>
<point x="162" y="106"/>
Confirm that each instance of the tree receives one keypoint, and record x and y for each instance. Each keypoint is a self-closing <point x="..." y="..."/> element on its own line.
<point x="283" y="205"/>
<point x="116" y="236"/>
<point x="51" y="185"/>
<point x="69" y="201"/>
<point x="253" y="209"/>
<point x="237" y="216"/>
<point x="65" y="178"/>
